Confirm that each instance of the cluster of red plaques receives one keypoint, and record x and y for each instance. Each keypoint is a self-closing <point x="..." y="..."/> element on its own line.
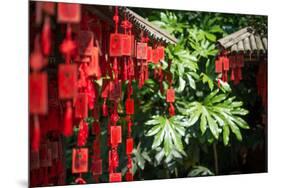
<point x="232" y="63"/>
<point x="91" y="55"/>
<point x="47" y="162"/>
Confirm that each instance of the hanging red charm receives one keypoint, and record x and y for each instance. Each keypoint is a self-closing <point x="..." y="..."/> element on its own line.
<point x="115" y="47"/>
<point x="67" y="74"/>
<point x="80" y="160"/>
<point x="81" y="105"/>
<point x="129" y="104"/>
<point x="46" y="37"/>
<point x="83" y="133"/>
<point x="170" y="97"/>
<point x="115" y="177"/>
<point x="69" y="13"/>
<point x="115" y="135"/>
<point x="38" y="94"/>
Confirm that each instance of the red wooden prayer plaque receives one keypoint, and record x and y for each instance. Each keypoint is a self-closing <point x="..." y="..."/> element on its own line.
<point x="80" y="160"/>
<point x="85" y="44"/>
<point x="97" y="167"/>
<point x="105" y="88"/>
<point x="115" y="135"/>
<point x="225" y="63"/>
<point x="149" y="54"/>
<point x="115" y="89"/>
<point x="170" y="97"/>
<point x="67" y="75"/>
<point x="115" y="47"/>
<point x="161" y="53"/>
<point x="69" y="13"/>
<point x="129" y="176"/>
<point x="218" y="66"/>
<point x="38" y="93"/>
<point x="81" y="105"/>
<point x="115" y="177"/>
<point x="94" y="67"/>
<point x="129" y="146"/>
<point x="130" y="107"/>
<point x="126" y="45"/>
<point x="155" y="56"/>
<point x="141" y="50"/>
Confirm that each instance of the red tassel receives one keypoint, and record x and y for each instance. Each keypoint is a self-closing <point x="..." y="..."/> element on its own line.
<point x="141" y="77"/>
<point x="171" y="109"/>
<point x="91" y="94"/>
<point x="68" y="130"/>
<point x="115" y="68"/>
<point x="36" y="135"/>
<point x="82" y="133"/>
<point x="225" y="76"/>
<point x="104" y="108"/>
<point x="46" y="37"/>
<point x="236" y="80"/>
<point x="232" y="75"/>
<point x="131" y="71"/>
<point x="125" y="71"/>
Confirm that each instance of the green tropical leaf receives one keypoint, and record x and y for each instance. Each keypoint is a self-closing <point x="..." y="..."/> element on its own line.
<point x="182" y="83"/>
<point x="203" y="124"/>
<point x="191" y="82"/>
<point x="158" y="139"/>
<point x="210" y="36"/>
<point x="225" y="135"/>
<point x="200" y="171"/>
<point x="167" y="132"/>
<point x="218" y="113"/>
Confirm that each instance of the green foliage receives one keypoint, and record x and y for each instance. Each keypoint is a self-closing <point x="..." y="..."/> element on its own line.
<point x="167" y="133"/>
<point x="170" y="22"/>
<point x="200" y="171"/>
<point x="184" y="66"/>
<point x="219" y="114"/>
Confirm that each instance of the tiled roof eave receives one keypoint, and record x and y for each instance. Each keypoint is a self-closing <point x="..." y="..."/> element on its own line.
<point x="244" y="41"/>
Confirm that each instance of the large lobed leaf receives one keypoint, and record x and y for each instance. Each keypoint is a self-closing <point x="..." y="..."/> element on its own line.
<point x="218" y="113"/>
<point x="167" y="132"/>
